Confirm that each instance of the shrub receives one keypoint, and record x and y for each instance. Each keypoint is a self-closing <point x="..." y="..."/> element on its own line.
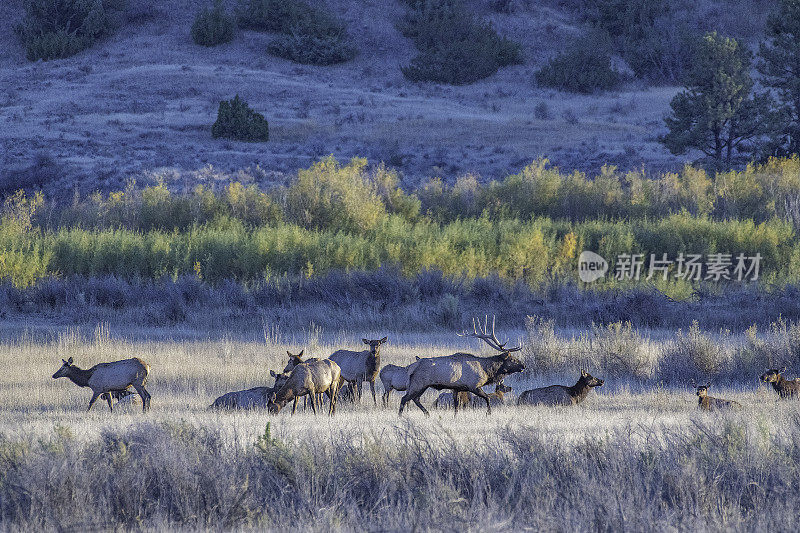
<point x="236" y="120"/>
<point x="706" y="356"/>
<point x="328" y="195"/>
<point x="620" y="350"/>
<point x="310" y="49"/>
<point x="213" y="26"/>
<point x="584" y="68"/>
<point x="55" y="29"/>
<point x="454" y="47"/>
<point x="311" y="35"/>
<point x="542" y="349"/>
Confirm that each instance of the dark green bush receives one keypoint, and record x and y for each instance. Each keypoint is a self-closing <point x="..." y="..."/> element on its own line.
<point x="274" y="15"/>
<point x="453" y="46"/>
<point x="583" y="68"/>
<point x="311" y="35"/>
<point x="236" y="120"/>
<point x="55" y="29"/>
<point x="213" y="26"/>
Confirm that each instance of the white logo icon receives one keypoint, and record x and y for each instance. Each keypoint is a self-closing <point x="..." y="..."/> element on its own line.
<point x="591" y="266"/>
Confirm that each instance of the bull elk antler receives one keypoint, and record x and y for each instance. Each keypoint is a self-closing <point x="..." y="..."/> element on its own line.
<point x="479" y="332"/>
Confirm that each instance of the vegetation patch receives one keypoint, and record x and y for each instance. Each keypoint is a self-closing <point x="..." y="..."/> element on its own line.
<point x="584" y="68"/>
<point x="236" y="120"/>
<point x="55" y="29"/>
<point x="454" y="47"/>
<point x="213" y="26"/>
<point x="309" y="35"/>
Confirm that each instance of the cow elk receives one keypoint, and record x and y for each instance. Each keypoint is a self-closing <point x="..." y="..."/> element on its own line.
<point x="109" y="379"/>
<point x="462" y="371"/>
<point x="255" y="398"/>
<point x="446" y="400"/>
<point x="358" y="367"/>
<point x="709" y="403"/>
<point x="784" y="387"/>
<point x="561" y="394"/>
<point x="311" y="378"/>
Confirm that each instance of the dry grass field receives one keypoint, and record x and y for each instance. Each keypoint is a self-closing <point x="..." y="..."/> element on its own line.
<point x="635" y="454"/>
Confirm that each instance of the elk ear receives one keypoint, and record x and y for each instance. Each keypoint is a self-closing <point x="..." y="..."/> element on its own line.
<point x="708" y="384"/>
<point x="69" y="361"/>
<point x="273" y="374"/>
<point x="384" y="339"/>
<point x="63" y="361"/>
<point x="416" y="357"/>
<point x="365" y="341"/>
<point x="289" y="354"/>
<point x="301" y="353"/>
<point x="782" y="369"/>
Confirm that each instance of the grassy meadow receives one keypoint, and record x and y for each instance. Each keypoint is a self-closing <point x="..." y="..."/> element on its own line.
<point x="636" y="454"/>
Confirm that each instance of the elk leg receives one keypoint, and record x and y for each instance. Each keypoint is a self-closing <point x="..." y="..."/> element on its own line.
<point x="455" y="403"/>
<point x="94" y="399"/>
<point x="386" y="398"/>
<point x="481" y="394"/>
<point x="108" y="399"/>
<point x="419" y="404"/>
<point x="294" y="405"/>
<point x="313" y="395"/>
<point x="374" y="399"/>
<point x="145" y="396"/>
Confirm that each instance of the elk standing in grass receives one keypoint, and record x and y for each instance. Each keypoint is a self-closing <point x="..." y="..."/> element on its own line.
<point x="709" y="403"/>
<point x="561" y="394"/>
<point x="462" y="371"/>
<point x="394" y="377"/>
<point x="784" y="387"/>
<point x="311" y="378"/>
<point x="358" y="367"/>
<point x="107" y="378"/>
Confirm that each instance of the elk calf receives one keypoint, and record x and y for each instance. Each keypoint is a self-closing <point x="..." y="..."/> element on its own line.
<point x="393" y="377"/>
<point x="561" y="394"/>
<point x="784" y="387"/>
<point x="311" y="378"/>
<point x="463" y="399"/>
<point x="496" y="397"/>
<point x="109" y="378"/>
<point x="709" y="403"/>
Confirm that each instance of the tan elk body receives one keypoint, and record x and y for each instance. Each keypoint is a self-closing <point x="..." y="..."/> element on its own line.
<point x="561" y="394"/>
<point x="358" y="367"/>
<point x="107" y="378"/>
<point x="394" y="377"/>
<point x="311" y="379"/>
<point x="496" y="398"/>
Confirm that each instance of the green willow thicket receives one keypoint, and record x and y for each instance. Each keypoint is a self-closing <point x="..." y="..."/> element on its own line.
<point x="529" y="227"/>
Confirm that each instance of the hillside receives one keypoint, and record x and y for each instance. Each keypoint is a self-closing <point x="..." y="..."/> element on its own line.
<point x="144" y="100"/>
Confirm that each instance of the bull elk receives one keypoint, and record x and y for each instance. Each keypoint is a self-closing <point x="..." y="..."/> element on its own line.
<point x="709" y="403"/>
<point x="358" y="367"/>
<point x="462" y="371"/>
<point x="311" y="378"/>
<point x="561" y="394"/>
<point x="109" y="379"/>
<point x="784" y="387"/>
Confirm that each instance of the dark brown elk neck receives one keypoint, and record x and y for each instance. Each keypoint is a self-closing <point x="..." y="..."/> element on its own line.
<point x="80" y="377"/>
<point x="579" y="390"/>
<point x="285" y="394"/>
<point x="704" y="402"/>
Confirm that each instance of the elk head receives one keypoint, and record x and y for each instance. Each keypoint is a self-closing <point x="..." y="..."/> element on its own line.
<point x="294" y="360"/>
<point x="502" y="387"/>
<point x="702" y="390"/>
<point x="64" y="370"/>
<point x="589" y="380"/>
<point x="375" y="345"/>
<point x="773" y="375"/>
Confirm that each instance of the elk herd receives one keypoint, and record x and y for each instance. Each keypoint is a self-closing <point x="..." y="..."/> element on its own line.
<point x="462" y="375"/>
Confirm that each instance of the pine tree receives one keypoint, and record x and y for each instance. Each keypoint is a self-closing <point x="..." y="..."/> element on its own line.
<point x="717" y="113"/>
<point x="780" y="68"/>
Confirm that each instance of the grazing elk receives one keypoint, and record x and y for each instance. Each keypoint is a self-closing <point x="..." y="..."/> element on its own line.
<point x="784" y="387"/>
<point x="311" y="378"/>
<point x="358" y="367"/>
<point x="709" y="403"/>
<point x="561" y="394"/>
<point x="462" y="371"/>
<point x="255" y="398"/>
<point x="394" y="377"/>
<point x="109" y="378"/>
<point x="496" y="397"/>
<point x="446" y="400"/>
